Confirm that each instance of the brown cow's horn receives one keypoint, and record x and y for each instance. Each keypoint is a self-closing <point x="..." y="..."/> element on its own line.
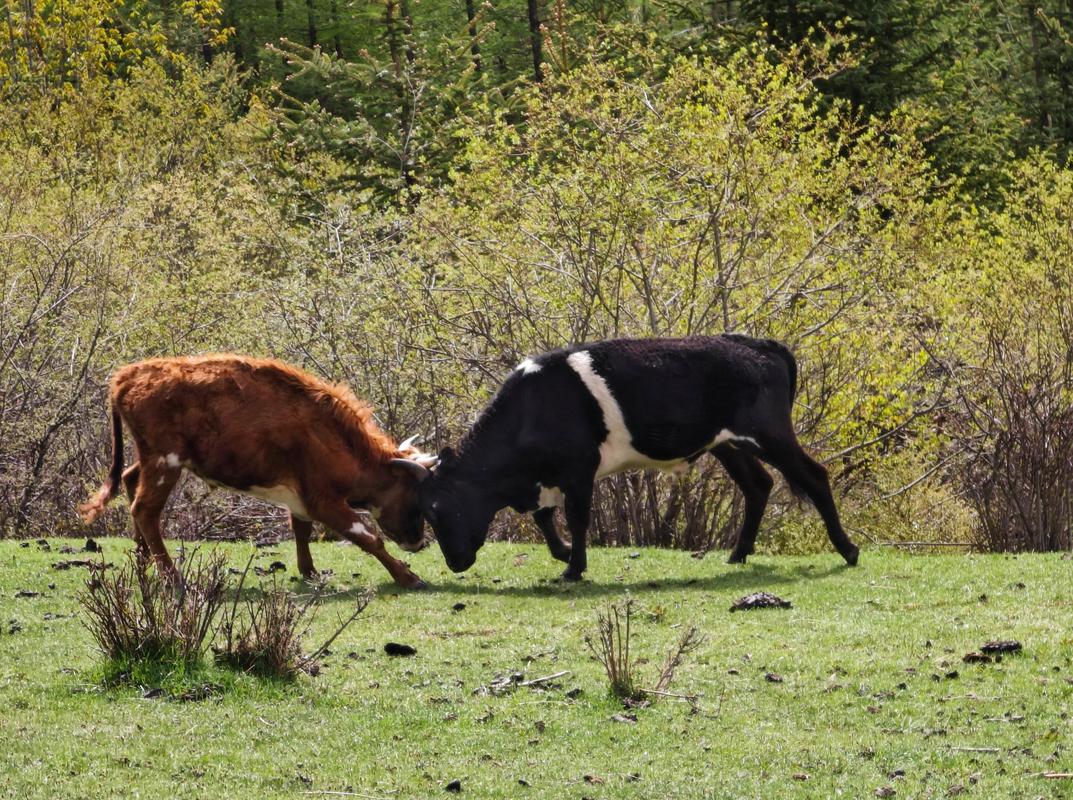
<point x="418" y="470"/>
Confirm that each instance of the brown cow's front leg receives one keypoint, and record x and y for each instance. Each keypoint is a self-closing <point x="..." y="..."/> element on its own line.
<point x="348" y="524"/>
<point x="302" y="529"/>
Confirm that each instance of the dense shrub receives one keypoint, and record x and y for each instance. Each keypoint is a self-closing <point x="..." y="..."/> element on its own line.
<point x="158" y="210"/>
<point x="1011" y="346"/>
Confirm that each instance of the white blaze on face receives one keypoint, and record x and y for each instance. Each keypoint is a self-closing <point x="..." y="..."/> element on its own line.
<point x="528" y="367"/>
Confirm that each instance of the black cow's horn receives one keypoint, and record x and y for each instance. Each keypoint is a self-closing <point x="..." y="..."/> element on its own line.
<point x="420" y="472"/>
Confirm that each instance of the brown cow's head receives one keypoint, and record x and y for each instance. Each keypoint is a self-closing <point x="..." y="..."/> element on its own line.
<point x="396" y="507"/>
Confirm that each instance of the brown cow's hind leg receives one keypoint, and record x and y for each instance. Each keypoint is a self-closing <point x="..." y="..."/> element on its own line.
<point x="302" y="529"/>
<point x="155" y="482"/>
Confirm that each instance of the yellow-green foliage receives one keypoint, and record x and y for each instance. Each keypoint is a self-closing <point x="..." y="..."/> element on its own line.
<point x="722" y="197"/>
<point x="161" y="213"/>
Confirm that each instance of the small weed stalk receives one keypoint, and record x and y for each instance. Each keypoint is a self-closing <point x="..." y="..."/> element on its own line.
<point x="611" y="647"/>
<point x="267" y="639"/>
<point x="688" y="642"/>
<point x="136" y="614"/>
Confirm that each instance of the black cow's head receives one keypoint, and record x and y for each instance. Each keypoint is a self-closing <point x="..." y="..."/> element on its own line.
<point x="459" y="507"/>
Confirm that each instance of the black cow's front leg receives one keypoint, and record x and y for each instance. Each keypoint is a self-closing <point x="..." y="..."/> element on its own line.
<point x="755" y="485"/>
<point x="578" y="509"/>
<point x="545" y="520"/>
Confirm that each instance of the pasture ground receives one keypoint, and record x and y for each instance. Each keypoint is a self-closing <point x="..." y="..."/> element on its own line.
<point x="873" y="694"/>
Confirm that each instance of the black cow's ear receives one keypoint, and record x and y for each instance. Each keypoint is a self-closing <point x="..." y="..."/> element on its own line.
<point x="447" y="455"/>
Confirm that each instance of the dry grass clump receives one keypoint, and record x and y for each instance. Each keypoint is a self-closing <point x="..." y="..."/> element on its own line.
<point x="154" y="629"/>
<point x="266" y="638"/>
<point x="137" y="614"/>
<point x="611" y="647"/>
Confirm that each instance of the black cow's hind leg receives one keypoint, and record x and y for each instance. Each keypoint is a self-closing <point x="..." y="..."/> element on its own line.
<point x="545" y="520"/>
<point x="809" y="476"/>
<point x="755" y="484"/>
<point x="578" y="511"/>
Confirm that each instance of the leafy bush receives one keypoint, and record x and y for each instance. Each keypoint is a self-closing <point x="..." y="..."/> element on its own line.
<point x="1013" y="341"/>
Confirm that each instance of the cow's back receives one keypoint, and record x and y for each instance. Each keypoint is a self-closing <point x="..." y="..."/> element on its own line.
<point x="232" y="420"/>
<point x="677" y="396"/>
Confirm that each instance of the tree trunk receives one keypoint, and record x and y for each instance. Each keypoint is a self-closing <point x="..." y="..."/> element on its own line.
<point x="392" y="37"/>
<point x="1037" y="68"/>
<point x="311" y="19"/>
<point x="337" y="29"/>
<point x="474" y="46"/>
<point x="537" y="39"/>
<point x="408" y="29"/>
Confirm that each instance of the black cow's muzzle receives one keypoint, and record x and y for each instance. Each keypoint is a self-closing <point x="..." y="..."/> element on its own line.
<point x="460" y="563"/>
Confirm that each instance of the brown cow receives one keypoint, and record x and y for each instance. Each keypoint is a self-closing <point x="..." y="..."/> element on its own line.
<point x="266" y="429"/>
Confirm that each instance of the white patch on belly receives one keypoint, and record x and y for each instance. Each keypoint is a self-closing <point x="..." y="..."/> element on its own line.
<point x="173" y="460"/>
<point x="528" y="367"/>
<point x="281" y="495"/>
<point x="727" y="435"/>
<point x="550" y="496"/>
<point x="358" y="529"/>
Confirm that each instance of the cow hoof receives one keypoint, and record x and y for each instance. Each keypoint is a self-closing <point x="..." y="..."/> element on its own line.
<point x="411" y="582"/>
<point x="851" y="556"/>
<point x="737" y="558"/>
<point x="570" y="577"/>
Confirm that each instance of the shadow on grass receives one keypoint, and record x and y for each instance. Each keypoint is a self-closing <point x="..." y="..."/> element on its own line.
<point x="748" y="578"/>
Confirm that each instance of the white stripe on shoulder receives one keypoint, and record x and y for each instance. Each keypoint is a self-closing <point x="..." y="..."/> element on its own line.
<point x="528" y="367"/>
<point x="617" y="449"/>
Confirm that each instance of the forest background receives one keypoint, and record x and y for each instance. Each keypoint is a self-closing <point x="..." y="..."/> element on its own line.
<point x="413" y="195"/>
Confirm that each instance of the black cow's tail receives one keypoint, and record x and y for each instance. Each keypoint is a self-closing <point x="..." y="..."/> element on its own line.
<point x="94" y="507"/>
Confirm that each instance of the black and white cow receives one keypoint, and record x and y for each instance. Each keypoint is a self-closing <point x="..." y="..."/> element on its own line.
<point x="567" y="418"/>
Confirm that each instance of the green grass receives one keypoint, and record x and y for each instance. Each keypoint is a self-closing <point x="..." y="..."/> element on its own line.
<point x="864" y="655"/>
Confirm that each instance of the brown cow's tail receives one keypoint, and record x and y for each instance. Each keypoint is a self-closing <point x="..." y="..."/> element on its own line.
<point x="95" y="506"/>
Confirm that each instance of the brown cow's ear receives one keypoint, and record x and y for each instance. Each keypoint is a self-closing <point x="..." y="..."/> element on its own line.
<point x="413" y="467"/>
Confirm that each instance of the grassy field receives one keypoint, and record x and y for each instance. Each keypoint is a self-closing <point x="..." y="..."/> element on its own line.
<point x="873" y="693"/>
